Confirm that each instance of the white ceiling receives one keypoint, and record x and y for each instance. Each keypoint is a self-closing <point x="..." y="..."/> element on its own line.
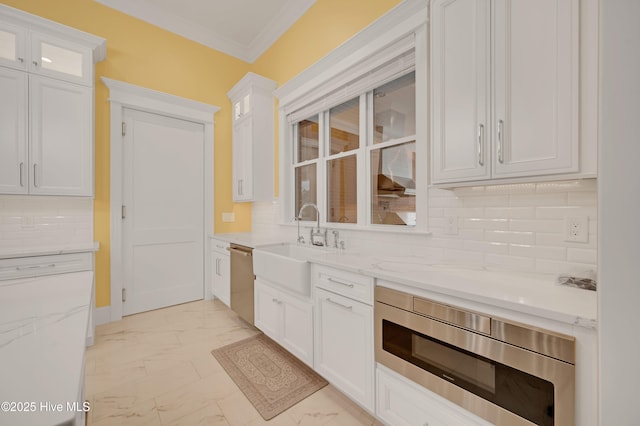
<point x="240" y="28"/>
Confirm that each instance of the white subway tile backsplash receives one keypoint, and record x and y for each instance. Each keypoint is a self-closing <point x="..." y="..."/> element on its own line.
<point x="560" y="212"/>
<point x="482" y="223"/>
<point x="31" y="221"/>
<point x="486" y="247"/>
<point x="582" y="255"/>
<point x="515" y="237"/>
<point x="540" y="252"/>
<point x="553" y="199"/>
<point x="510" y="262"/>
<point x="515" y="226"/>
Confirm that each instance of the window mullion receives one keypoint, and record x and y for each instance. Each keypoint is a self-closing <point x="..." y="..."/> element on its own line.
<point x="362" y="174"/>
<point x="322" y="165"/>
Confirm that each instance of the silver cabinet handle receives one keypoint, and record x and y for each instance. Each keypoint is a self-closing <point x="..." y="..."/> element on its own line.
<point x="35" y="63"/>
<point x="240" y="188"/>
<point x="24" y="268"/>
<point x="333" y="280"/>
<point x="220" y="247"/>
<point x="217" y="266"/>
<point x="501" y="141"/>
<point x="333" y="302"/>
<point x="35" y="180"/>
<point x="274" y="300"/>
<point x="481" y="144"/>
<point x="21" y="60"/>
<point x="21" y="174"/>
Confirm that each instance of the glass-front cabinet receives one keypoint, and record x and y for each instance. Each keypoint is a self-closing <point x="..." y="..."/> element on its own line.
<point x="357" y="160"/>
<point x="12" y="46"/>
<point x="44" y="54"/>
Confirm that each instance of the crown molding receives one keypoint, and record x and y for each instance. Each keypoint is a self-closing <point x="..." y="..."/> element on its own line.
<point x="147" y="11"/>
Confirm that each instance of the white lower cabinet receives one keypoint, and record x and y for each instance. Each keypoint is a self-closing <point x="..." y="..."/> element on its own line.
<point x="220" y="271"/>
<point x="344" y="345"/>
<point x="401" y="402"/>
<point x="285" y="318"/>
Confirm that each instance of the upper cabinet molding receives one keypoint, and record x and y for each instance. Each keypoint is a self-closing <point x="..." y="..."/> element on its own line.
<point x="96" y="44"/>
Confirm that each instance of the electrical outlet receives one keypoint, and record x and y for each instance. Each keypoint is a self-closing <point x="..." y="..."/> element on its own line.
<point x="451" y="225"/>
<point x="576" y="229"/>
<point x="228" y="217"/>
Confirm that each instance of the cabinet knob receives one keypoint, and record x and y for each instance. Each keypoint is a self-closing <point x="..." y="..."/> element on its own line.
<point x="35" y="63"/>
<point x="21" y="60"/>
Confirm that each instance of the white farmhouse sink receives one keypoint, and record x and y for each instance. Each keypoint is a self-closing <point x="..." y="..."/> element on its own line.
<point x="285" y="265"/>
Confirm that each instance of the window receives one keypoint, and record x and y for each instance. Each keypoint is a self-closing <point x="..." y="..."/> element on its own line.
<point x="333" y="150"/>
<point x="307" y="137"/>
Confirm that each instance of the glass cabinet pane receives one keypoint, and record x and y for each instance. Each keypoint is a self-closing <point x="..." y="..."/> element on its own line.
<point x="342" y="196"/>
<point x="394" y="109"/>
<point x="306" y="190"/>
<point x="60" y="59"/>
<point x="308" y="139"/>
<point x="344" y="121"/>
<point x="8" y="45"/>
<point x="393" y="185"/>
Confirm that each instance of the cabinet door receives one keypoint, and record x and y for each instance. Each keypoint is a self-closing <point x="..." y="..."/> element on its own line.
<point x="267" y="310"/>
<point x="13" y="132"/>
<point x="344" y="345"/>
<point x="61" y="137"/>
<point x="242" y="160"/>
<point x="460" y="84"/>
<point x="536" y="82"/>
<point x="13" y="46"/>
<point x="60" y="59"/>
<point x="221" y="278"/>
<point x="297" y="328"/>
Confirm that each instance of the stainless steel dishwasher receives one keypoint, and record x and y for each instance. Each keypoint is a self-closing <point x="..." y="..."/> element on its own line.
<point x="242" y="281"/>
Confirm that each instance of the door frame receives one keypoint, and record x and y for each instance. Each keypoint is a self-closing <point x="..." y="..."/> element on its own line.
<point x="124" y="95"/>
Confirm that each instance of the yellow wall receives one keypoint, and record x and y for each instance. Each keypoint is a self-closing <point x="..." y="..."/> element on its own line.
<point x="325" y="26"/>
<point x="145" y="55"/>
<point x="142" y="54"/>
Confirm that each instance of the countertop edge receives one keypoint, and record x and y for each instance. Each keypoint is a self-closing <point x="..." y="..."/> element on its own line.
<point x="11" y="253"/>
<point x="574" y="319"/>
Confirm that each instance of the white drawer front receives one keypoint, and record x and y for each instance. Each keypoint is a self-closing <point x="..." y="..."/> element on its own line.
<point x="219" y="246"/>
<point x="354" y="286"/>
<point x="34" y="266"/>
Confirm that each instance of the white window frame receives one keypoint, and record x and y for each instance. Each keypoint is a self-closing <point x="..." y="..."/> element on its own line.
<point x="355" y="59"/>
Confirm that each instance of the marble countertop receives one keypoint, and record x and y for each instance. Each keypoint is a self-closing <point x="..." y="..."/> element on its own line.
<point x="533" y="294"/>
<point x="528" y="293"/>
<point x="43" y="326"/>
<point x="8" y="253"/>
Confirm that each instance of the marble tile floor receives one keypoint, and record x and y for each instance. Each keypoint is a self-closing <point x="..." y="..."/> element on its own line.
<point x="156" y="368"/>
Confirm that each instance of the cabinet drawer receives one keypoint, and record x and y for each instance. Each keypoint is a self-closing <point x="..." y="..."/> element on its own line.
<point x="34" y="266"/>
<point x="219" y="246"/>
<point x="401" y="402"/>
<point x="349" y="284"/>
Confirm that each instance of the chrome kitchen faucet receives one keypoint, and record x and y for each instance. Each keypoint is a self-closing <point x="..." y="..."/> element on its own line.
<point x="315" y="233"/>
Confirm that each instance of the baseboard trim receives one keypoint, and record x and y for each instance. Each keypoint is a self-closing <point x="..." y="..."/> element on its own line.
<point x="102" y="315"/>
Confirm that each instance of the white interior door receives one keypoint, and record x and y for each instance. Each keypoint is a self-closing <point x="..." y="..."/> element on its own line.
<point x="163" y="224"/>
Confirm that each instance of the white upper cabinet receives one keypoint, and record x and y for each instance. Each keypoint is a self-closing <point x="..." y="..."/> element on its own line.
<point x="61" y="126"/>
<point x="253" y="147"/>
<point x="61" y="59"/>
<point x="460" y="72"/>
<point x="41" y="52"/>
<point x="13" y="132"/>
<point x="505" y="89"/>
<point x="12" y="46"/>
<point x="46" y="120"/>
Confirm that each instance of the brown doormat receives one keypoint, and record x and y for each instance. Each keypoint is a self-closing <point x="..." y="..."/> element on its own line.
<point x="269" y="376"/>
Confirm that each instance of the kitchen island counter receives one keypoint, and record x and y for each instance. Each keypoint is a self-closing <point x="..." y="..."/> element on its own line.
<point x="42" y="345"/>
